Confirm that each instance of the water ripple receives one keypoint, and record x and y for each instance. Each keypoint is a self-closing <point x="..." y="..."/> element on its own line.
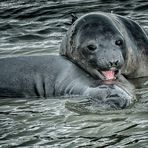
<point x="37" y="27"/>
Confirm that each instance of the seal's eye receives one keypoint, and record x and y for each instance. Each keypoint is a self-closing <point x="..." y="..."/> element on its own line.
<point x="91" y="47"/>
<point x="119" y="42"/>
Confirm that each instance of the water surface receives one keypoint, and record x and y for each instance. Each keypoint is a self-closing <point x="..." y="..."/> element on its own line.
<point x="31" y="27"/>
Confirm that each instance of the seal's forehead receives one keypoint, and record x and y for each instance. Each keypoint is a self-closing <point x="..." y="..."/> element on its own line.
<point x="96" y="25"/>
<point x="94" y="18"/>
<point x="95" y="21"/>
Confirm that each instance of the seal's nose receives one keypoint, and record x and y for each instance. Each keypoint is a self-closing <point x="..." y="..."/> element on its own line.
<point x="113" y="63"/>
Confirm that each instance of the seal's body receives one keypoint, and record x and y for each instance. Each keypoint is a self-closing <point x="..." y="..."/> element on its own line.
<point x="42" y="76"/>
<point x="52" y="75"/>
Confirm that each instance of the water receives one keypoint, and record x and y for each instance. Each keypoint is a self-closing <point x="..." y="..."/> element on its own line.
<point x="37" y="27"/>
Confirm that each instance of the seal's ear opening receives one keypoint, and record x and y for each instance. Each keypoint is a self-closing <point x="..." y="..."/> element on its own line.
<point x="74" y="18"/>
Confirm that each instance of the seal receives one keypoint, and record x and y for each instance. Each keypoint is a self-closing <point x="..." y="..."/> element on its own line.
<point x="97" y="52"/>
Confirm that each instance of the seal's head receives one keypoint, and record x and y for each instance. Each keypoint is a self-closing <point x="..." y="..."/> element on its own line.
<point x="96" y="44"/>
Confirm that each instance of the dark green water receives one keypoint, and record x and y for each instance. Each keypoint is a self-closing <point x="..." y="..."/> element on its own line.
<point x="37" y="27"/>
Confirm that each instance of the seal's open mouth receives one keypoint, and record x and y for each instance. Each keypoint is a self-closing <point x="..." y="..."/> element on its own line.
<point x="110" y="74"/>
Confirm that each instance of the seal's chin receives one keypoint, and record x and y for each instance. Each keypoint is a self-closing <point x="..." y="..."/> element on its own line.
<point x="106" y="75"/>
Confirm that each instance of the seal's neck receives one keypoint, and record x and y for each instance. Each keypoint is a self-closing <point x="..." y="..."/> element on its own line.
<point x="142" y="70"/>
<point x="136" y="65"/>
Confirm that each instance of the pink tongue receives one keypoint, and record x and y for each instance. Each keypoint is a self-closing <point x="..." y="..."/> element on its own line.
<point x="109" y="75"/>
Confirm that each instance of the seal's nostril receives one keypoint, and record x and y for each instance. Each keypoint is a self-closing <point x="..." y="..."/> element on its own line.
<point x="111" y="64"/>
<point x="114" y="64"/>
